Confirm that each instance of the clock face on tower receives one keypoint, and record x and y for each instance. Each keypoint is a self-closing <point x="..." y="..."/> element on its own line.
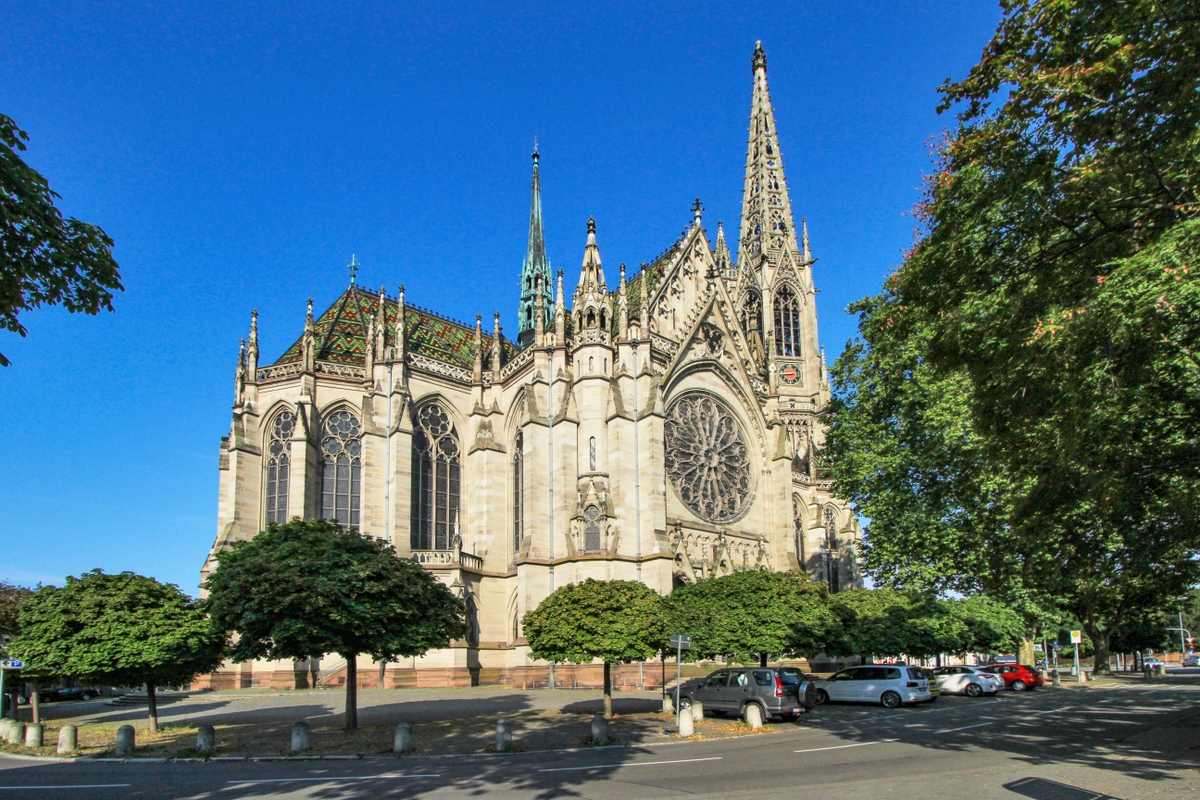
<point x="789" y="373"/>
<point x="708" y="458"/>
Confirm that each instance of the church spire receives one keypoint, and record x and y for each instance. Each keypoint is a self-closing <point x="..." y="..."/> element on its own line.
<point x="536" y="266"/>
<point x="767" y="223"/>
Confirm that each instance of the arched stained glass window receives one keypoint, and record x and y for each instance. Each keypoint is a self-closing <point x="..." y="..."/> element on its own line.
<point x="831" y="545"/>
<point x="277" y="468"/>
<point x="518" y="463"/>
<point x="787" y="323"/>
<point x="436" y="480"/>
<point x="798" y="523"/>
<point x="591" y="530"/>
<point x="341" y="468"/>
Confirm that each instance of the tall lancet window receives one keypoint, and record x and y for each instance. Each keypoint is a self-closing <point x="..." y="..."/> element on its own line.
<point x="341" y="468"/>
<point x="787" y="322"/>
<point x="278" y="462"/>
<point x="518" y="479"/>
<point x="752" y="321"/>
<point x="592" y="454"/>
<point x="436" y="480"/>
<point x="798" y="523"/>
<point x="831" y="545"/>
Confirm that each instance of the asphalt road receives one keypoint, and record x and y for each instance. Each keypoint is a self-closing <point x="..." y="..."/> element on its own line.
<point x="1079" y="744"/>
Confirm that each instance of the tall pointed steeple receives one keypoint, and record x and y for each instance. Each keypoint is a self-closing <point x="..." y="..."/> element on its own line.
<point x="537" y="265"/>
<point x="768" y="231"/>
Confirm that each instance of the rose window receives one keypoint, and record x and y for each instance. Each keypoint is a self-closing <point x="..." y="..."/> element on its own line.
<point x="707" y="458"/>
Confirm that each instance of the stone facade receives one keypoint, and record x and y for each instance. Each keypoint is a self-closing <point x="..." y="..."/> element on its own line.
<point x="661" y="431"/>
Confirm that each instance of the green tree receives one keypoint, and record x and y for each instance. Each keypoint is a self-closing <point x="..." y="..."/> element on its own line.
<point x="617" y="622"/>
<point x="121" y="629"/>
<point x="887" y="622"/>
<point x="1052" y="286"/>
<point x="750" y="616"/>
<point x="11" y="598"/>
<point x="989" y="626"/>
<point x="308" y="587"/>
<point x="45" y="259"/>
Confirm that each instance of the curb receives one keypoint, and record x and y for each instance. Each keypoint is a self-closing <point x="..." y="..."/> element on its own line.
<point x="51" y="759"/>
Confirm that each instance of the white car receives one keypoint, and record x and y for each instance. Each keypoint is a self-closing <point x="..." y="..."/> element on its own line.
<point x="971" y="681"/>
<point x="887" y="685"/>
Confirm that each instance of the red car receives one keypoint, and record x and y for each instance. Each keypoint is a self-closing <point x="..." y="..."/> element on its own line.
<point x="1017" y="677"/>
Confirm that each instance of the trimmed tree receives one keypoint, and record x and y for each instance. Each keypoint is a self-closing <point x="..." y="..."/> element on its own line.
<point x="990" y="627"/>
<point x="617" y="622"/>
<point x="749" y="616"/>
<point x="308" y="587"/>
<point x="121" y="629"/>
<point x="885" y="622"/>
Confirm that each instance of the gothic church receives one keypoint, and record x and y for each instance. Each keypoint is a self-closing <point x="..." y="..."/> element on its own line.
<point x="658" y="431"/>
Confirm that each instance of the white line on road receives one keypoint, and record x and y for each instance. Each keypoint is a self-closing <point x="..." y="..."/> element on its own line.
<point x="635" y="764"/>
<point x="334" y="779"/>
<point x="844" y="746"/>
<point x="966" y="727"/>
<point x="1051" y="711"/>
<point x="73" y="786"/>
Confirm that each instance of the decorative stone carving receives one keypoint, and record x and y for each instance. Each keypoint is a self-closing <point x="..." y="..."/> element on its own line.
<point x="707" y="458"/>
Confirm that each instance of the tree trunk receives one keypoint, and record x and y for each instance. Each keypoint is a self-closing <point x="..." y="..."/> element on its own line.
<point x="152" y="706"/>
<point x="35" y="704"/>
<point x="607" y="690"/>
<point x="762" y="659"/>
<point x="351" y="692"/>
<point x="1100" y="646"/>
<point x="382" y="673"/>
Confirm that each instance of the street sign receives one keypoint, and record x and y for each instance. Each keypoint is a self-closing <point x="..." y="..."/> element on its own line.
<point x="681" y="642"/>
<point x="11" y="663"/>
<point x="1076" y="637"/>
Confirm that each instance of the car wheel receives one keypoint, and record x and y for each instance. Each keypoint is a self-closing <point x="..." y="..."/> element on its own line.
<point x="85" y="696"/>
<point x="1019" y="686"/>
<point x="974" y="690"/>
<point x="890" y="700"/>
<point x="822" y="697"/>
<point x="685" y="704"/>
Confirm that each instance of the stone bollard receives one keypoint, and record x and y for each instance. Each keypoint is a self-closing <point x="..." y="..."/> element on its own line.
<point x="599" y="729"/>
<point x="1057" y="679"/>
<point x="685" y="723"/>
<point x="68" y="739"/>
<point x="1159" y="671"/>
<point x="668" y="704"/>
<point x="697" y="711"/>
<point x="206" y="738"/>
<point x="503" y="735"/>
<point x="33" y="735"/>
<point x="5" y="728"/>
<point x="125" y="740"/>
<point x="402" y="742"/>
<point x="300" y="737"/>
<point x="16" y="732"/>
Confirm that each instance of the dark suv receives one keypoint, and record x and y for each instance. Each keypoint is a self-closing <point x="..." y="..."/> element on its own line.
<point x="781" y="692"/>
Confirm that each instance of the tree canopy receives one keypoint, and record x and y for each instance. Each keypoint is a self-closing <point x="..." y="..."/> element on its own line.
<point x="307" y="588"/>
<point x="749" y="616"/>
<point x="617" y="622"/>
<point x="121" y="629"/>
<point x="11" y="598"/>
<point x="1051" y="296"/>
<point x="45" y="259"/>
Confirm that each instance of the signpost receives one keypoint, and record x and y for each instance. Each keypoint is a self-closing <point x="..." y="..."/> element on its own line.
<point x="680" y="643"/>
<point x="1076" y="638"/>
<point x="8" y="663"/>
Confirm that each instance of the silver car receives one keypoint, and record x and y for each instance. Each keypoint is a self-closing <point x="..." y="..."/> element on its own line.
<point x="887" y="685"/>
<point x="971" y="681"/>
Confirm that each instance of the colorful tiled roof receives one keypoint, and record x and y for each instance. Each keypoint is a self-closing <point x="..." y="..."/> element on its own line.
<point x="341" y="332"/>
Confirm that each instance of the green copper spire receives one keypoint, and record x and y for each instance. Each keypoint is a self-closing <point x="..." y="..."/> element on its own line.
<point x="536" y="264"/>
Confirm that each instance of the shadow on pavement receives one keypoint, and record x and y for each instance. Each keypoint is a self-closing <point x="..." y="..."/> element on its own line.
<point x="1042" y="789"/>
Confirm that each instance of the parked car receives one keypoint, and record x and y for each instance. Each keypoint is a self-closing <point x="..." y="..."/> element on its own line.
<point x="971" y="681"/>
<point x="889" y="686"/>
<point x="1191" y="661"/>
<point x="69" y="693"/>
<point x="1151" y="661"/>
<point x="935" y="691"/>
<point x="1017" y="677"/>
<point x="782" y="692"/>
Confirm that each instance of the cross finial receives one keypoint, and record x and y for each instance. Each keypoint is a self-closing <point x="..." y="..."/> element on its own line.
<point x="697" y="207"/>
<point x="353" y="266"/>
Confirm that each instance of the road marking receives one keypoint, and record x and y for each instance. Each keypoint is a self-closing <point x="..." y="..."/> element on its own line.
<point x="844" y="746"/>
<point x="634" y="764"/>
<point x="333" y="778"/>
<point x="1051" y="711"/>
<point x="73" y="786"/>
<point x="966" y="727"/>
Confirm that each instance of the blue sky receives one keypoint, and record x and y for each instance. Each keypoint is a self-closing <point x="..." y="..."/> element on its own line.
<point x="238" y="153"/>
